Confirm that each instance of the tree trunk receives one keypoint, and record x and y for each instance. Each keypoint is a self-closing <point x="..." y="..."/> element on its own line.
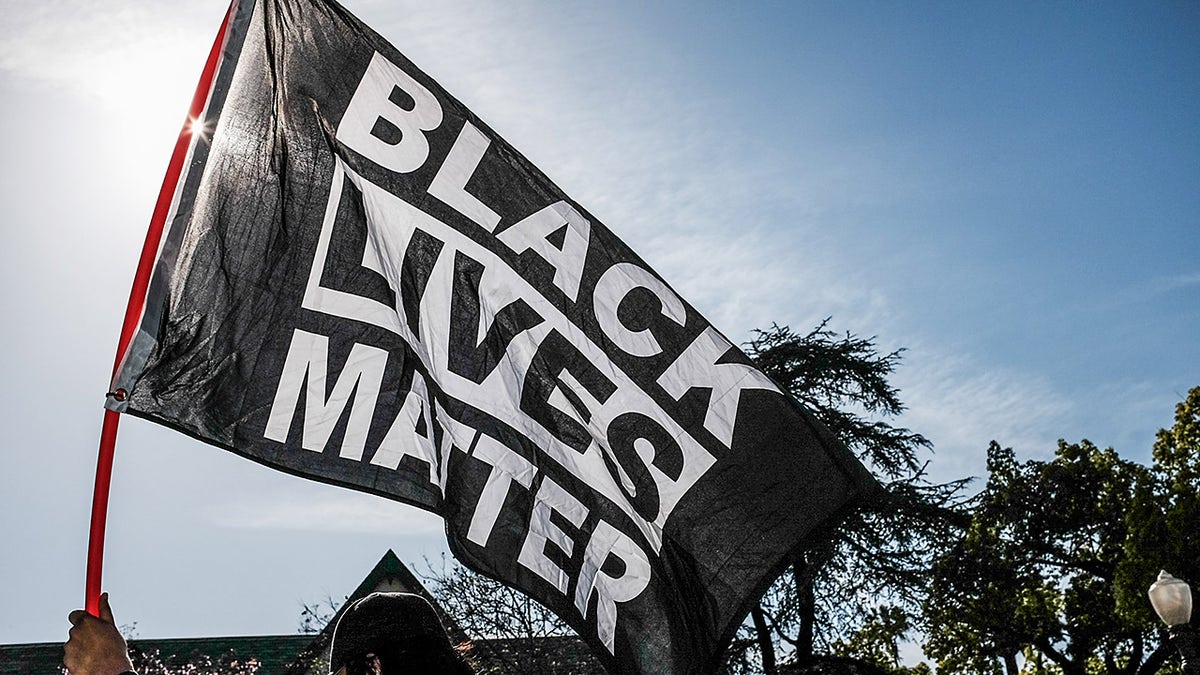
<point x="1068" y="666"/>
<point x="1156" y="659"/>
<point x="1135" y="656"/>
<point x="1010" y="665"/>
<point x="807" y="611"/>
<point x="763" y="635"/>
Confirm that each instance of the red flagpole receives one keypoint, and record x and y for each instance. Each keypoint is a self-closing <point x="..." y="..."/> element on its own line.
<point x="133" y="313"/>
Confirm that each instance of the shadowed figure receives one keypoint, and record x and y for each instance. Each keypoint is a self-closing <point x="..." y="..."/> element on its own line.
<point x="393" y="633"/>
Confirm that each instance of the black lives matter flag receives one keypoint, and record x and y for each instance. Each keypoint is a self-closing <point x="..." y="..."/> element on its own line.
<point x="363" y="284"/>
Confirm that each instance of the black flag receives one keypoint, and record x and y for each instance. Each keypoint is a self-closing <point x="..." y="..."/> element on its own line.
<point x="363" y="284"/>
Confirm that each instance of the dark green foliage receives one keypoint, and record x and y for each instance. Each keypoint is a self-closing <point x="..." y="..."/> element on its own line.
<point x="1164" y="521"/>
<point x="1055" y="563"/>
<point x="877" y="640"/>
<point x="1036" y="565"/>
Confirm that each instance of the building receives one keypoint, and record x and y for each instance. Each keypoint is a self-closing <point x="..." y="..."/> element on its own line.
<point x="300" y="654"/>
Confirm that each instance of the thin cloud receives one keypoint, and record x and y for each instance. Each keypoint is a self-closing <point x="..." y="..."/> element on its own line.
<point x="1156" y="287"/>
<point x="1177" y="282"/>
<point x="103" y="50"/>
<point x="961" y="405"/>
<point x="341" y="512"/>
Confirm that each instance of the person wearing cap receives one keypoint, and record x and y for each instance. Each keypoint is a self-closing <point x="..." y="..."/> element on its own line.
<point x="393" y="633"/>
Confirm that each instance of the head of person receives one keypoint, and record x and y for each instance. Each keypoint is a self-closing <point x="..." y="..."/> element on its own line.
<point x="392" y="634"/>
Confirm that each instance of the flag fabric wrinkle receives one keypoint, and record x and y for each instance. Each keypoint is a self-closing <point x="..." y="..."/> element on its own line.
<point x="363" y="284"/>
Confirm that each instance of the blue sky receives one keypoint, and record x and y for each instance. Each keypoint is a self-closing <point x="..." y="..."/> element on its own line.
<point x="1009" y="190"/>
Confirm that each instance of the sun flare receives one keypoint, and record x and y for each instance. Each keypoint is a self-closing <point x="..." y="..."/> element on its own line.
<point x="198" y="128"/>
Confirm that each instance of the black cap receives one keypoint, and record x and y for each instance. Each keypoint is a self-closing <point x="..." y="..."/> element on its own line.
<point x="402" y="624"/>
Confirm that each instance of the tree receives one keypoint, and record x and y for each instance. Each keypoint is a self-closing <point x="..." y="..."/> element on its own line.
<point x="314" y="617"/>
<point x="880" y="556"/>
<point x="877" y="640"/>
<point x="1055" y="563"/>
<point x="1166" y="510"/>
<point x="508" y="629"/>
<point x="993" y="593"/>
<point x="1163" y="521"/>
<point x="1059" y="528"/>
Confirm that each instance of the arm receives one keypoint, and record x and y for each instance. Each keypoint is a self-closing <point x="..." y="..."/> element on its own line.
<point x="95" y="646"/>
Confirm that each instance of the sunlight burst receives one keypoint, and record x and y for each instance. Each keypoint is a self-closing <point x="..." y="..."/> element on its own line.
<point x="198" y="128"/>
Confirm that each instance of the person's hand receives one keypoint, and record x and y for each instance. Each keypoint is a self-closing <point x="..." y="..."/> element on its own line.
<point x="95" y="646"/>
